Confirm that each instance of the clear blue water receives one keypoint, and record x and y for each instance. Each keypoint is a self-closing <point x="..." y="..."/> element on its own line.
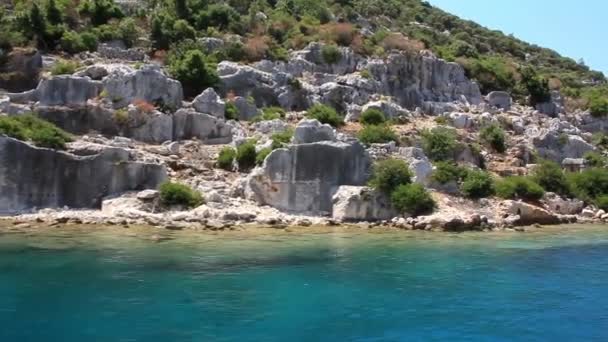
<point x="108" y="286"/>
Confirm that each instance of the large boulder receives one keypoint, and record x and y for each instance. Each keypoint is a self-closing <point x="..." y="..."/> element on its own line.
<point x="209" y="102"/>
<point x="521" y="214"/>
<point x="419" y="164"/>
<point x="39" y="178"/>
<point x="66" y="91"/>
<point x="148" y="83"/>
<point x="303" y="178"/>
<point x="21" y="71"/>
<point x="310" y="131"/>
<point x="188" y="124"/>
<point x="358" y="203"/>
<point x="247" y="81"/>
<point x="499" y="99"/>
<point x="557" y="147"/>
<point x="311" y="60"/>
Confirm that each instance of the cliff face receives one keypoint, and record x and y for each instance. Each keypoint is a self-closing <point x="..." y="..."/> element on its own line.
<point x="33" y="177"/>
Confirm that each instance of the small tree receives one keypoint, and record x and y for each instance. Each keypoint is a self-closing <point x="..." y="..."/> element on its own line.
<point x="439" y="143"/>
<point x="193" y="72"/>
<point x="53" y="13"/>
<point x="246" y="156"/>
<point x="388" y="174"/>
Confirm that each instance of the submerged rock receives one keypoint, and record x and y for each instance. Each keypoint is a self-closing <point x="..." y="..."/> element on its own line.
<point x="303" y="178"/>
<point x="39" y="178"/>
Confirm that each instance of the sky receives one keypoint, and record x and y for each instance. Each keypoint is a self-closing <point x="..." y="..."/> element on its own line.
<point x="576" y="29"/>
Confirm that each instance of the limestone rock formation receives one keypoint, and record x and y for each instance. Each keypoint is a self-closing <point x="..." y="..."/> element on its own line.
<point x="149" y="83"/>
<point x="38" y="178"/>
<point x="188" y="124"/>
<point x="310" y="131"/>
<point x="303" y="178"/>
<point x="208" y="102"/>
<point x="557" y="147"/>
<point x="521" y="213"/>
<point x="357" y="203"/>
<point x="499" y="99"/>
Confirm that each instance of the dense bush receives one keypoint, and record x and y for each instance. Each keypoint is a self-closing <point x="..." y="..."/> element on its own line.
<point x="412" y="199"/>
<point x="439" y="144"/>
<point x="246" y="156"/>
<point x="388" y="174"/>
<point x="226" y="158"/>
<point x="262" y="154"/>
<point x="231" y="111"/>
<point x="494" y="136"/>
<point x="598" y="106"/>
<point x="446" y="172"/>
<point x="272" y="113"/>
<point x="179" y="194"/>
<point x="376" y="134"/>
<point x="29" y="127"/>
<point x="331" y="54"/>
<point x="280" y="140"/>
<point x="551" y="177"/>
<point x="477" y="184"/>
<point x="492" y="73"/>
<point x="535" y="86"/>
<point x="325" y="114"/>
<point x="517" y="187"/>
<point x="595" y="159"/>
<point x="602" y="202"/>
<point x="194" y="72"/>
<point x="372" y="116"/>
<point x="64" y="67"/>
<point x="589" y="184"/>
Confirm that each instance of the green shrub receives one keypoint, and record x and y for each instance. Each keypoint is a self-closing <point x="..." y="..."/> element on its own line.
<point x="446" y="172"/>
<point x="273" y="113"/>
<point x="326" y="115"/>
<point x="477" y="184"/>
<point x="331" y="54"/>
<point x="412" y="199"/>
<point x="89" y="40"/>
<point x="246" y="156"/>
<point x="225" y="160"/>
<point x="589" y="184"/>
<point x="598" y="106"/>
<point x="231" y="111"/>
<point x="376" y="134"/>
<point x="439" y="144"/>
<point x="492" y="73"/>
<point x="602" y="202"/>
<point x="180" y="194"/>
<point x="600" y="140"/>
<point x="595" y="159"/>
<point x="280" y="140"/>
<point x="550" y="176"/>
<point x="262" y="154"/>
<point x="494" y="136"/>
<point x="372" y="116"/>
<point x="193" y="71"/>
<point x="64" y="67"/>
<point x="29" y="127"/>
<point x="535" y="86"/>
<point x="72" y="42"/>
<point x="517" y="187"/>
<point x="388" y="174"/>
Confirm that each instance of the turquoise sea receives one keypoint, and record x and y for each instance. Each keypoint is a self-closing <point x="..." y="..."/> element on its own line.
<point x="92" y="284"/>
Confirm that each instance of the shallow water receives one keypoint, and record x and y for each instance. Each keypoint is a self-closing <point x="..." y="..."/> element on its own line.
<point x="118" y="285"/>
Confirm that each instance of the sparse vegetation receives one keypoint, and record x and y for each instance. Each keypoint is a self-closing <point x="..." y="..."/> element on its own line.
<point x="64" y="67"/>
<point x="262" y="154"/>
<point x="280" y="140"/>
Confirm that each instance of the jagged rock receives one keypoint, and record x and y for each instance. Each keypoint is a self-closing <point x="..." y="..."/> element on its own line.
<point x="310" y="131"/>
<point x="557" y="147"/>
<point x="148" y="195"/>
<point x="499" y="99"/>
<point x="461" y="120"/>
<point x="208" y="102"/>
<point x="556" y="204"/>
<point x="37" y="177"/>
<point x="554" y="107"/>
<point x="311" y="60"/>
<point x="590" y="123"/>
<point x="270" y="126"/>
<point x="413" y="79"/>
<point x="419" y="164"/>
<point x="148" y="83"/>
<point x="303" y="178"/>
<point x="357" y="203"/>
<point x="188" y="124"/>
<point x="245" y="81"/>
<point x="390" y="109"/>
<point x="247" y="109"/>
<point x="526" y="214"/>
<point x="95" y="72"/>
<point x="154" y="127"/>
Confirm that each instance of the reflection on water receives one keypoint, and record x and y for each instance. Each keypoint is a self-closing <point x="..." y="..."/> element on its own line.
<point x="116" y="284"/>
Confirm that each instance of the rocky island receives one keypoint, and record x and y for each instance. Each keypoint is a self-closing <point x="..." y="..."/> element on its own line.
<point x="220" y="115"/>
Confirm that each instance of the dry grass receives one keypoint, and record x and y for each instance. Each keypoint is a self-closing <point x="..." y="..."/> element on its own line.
<point x="256" y="48"/>
<point x="397" y="41"/>
<point x="144" y="106"/>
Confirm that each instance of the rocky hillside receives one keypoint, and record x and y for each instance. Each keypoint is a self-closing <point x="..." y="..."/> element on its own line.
<point x="292" y="112"/>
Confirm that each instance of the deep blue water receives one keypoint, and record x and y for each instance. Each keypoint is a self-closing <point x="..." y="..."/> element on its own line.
<point x="59" y="286"/>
